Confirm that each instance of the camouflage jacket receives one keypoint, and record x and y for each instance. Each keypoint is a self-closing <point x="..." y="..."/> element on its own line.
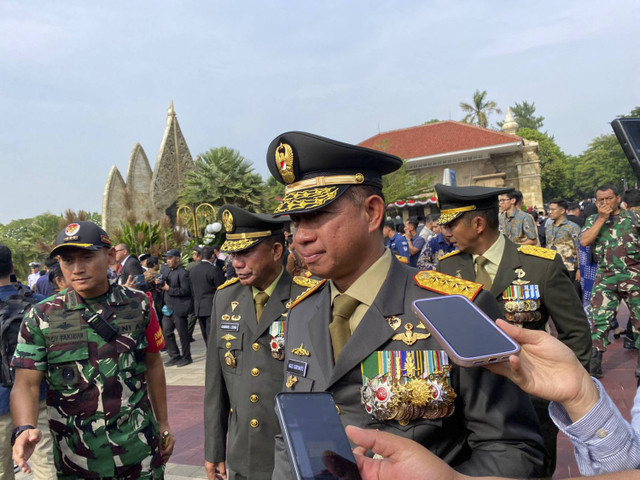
<point x="99" y="411"/>
<point x="518" y="227"/>
<point x="616" y="247"/>
<point x="564" y="239"/>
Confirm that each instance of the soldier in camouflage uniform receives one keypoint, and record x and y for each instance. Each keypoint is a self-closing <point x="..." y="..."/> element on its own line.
<point x="562" y="236"/>
<point x="518" y="226"/>
<point x="613" y="232"/>
<point x="97" y="346"/>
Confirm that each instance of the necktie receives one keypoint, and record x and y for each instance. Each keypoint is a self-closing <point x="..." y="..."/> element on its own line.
<point x="343" y="308"/>
<point x="482" y="276"/>
<point x="119" y="268"/>
<point x="261" y="300"/>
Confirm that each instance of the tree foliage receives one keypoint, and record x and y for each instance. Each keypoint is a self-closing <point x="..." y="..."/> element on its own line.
<point x="153" y="237"/>
<point x="554" y="165"/>
<point x="523" y="113"/>
<point x="402" y="185"/>
<point x="603" y="162"/>
<point x="479" y="110"/>
<point x="222" y="176"/>
<point x="273" y="193"/>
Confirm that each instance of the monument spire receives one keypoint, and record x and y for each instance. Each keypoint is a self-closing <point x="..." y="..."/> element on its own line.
<point x="510" y="125"/>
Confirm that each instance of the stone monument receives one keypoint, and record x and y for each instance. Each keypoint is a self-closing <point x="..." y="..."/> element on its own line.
<point x="147" y="194"/>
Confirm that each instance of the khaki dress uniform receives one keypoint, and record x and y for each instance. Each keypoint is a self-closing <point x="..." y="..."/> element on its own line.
<point x="243" y="377"/>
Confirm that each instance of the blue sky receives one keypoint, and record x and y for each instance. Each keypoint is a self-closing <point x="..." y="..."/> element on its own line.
<point x="82" y="82"/>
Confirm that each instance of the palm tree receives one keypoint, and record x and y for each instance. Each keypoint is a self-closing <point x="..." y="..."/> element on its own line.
<point x="221" y="176"/>
<point x="480" y="109"/>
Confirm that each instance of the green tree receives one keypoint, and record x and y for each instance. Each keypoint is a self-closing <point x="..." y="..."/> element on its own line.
<point x="402" y="185"/>
<point x="479" y="111"/>
<point x="602" y="162"/>
<point x="221" y="176"/>
<point x="523" y="113"/>
<point x="554" y="165"/>
<point x="273" y="193"/>
<point x="433" y="120"/>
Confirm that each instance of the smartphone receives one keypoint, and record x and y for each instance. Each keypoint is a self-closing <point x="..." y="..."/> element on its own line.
<point x="316" y="443"/>
<point x="469" y="337"/>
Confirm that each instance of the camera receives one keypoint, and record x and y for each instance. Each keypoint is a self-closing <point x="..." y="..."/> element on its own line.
<point x="160" y="281"/>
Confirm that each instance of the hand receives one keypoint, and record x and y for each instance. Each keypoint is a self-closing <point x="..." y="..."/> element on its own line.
<point x="24" y="447"/>
<point x="577" y="274"/>
<point x="165" y="287"/>
<point x="132" y="282"/>
<point x="215" y="471"/>
<point x="548" y="369"/>
<point x="166" y="446"/>
<point x="604" y="210"/>
<point x="403" y="458"/>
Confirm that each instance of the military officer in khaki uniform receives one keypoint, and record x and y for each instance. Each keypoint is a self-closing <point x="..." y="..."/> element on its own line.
<point x="530" y="283"/>
<point x="244" y="359"/>
<point x="355" y="335"/>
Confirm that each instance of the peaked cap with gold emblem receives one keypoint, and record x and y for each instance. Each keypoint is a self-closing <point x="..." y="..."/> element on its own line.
<point x="246" y="229"/>
<point x="454" y="201"/>
<point x="317" y="170"/>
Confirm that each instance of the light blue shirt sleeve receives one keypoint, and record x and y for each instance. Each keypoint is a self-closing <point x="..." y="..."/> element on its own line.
<point x="603" y="441"/>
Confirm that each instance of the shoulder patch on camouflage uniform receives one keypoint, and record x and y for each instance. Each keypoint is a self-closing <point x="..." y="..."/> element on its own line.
<point x="450" y="254"/>
<point x="307" y="292"/>
<point x="305" y="282"/>
<point x="443" y="283"/>
<point x="228" y="282"/>
<point x="538" y="251"/>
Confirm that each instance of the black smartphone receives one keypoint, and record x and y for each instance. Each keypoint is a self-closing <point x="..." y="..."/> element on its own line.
<point x="469" y="337"/>
<point x="316" y="443"/>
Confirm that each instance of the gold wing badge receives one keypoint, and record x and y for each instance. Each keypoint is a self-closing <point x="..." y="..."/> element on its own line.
<point x="409" y="337"/>
<point x="284" y="162"/>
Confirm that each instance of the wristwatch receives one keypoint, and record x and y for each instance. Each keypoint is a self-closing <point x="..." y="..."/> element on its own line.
<point x="18" y="430"/>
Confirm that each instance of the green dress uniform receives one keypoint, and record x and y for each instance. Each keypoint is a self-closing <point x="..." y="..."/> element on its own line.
<point x="243" y="377"/>
<point x="531" y="284"/>
<point x="479" y="423"/>
<point x="99" y="411"/>
<point x="245" y="351"/>
<point x="557" y="297"/>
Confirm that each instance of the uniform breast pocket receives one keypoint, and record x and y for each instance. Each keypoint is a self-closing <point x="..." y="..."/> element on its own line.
<point x="230" y="352"/>
<point x="64" y="366"/>
<point x="298" y="384"/>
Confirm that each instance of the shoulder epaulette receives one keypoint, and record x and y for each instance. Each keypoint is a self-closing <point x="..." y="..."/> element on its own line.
<point x="402" y="259"/>
<point x="305" y="282"/>
<point x="228" y="282"/>
<point x="450" y="254"/>
<point x="537" y="251"/>
<point x="447" y="284"/>
<point x="306" y="293"/>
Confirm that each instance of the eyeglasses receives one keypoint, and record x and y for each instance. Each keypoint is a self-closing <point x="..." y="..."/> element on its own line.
<point x="502" y="200"/>
<point x="121" y="250"/>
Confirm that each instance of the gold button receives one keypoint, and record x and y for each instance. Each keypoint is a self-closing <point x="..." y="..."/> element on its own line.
<point x="254" y="423"/>
<point x="253" y="398"/>
<point x="338" y="409"/>
<point x="256" y="346"/>
<point x="255" y="371"/>
<point x="228" y="345"/>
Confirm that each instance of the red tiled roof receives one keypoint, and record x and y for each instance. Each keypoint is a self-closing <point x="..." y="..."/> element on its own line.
<point x="435" y="138"/>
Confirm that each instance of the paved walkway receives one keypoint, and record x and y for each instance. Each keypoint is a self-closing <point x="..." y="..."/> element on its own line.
<point x="185" y="391"/>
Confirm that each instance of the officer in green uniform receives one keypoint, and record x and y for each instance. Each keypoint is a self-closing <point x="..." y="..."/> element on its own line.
<point x="356" y="337"/>
<point x="246" y="345"/>
<point x="530" y="283"/>
<point x="97" y="346"/>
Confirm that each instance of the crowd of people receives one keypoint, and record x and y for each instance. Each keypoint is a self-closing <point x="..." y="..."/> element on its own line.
<point x="317" y="297"/>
